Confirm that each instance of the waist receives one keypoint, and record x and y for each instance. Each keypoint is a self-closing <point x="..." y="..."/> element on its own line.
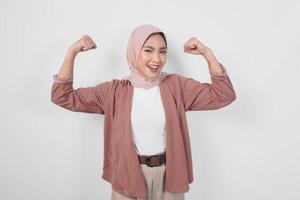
<point x="153" y="160"/>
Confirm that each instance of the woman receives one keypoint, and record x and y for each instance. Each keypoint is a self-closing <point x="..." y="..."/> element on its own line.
<point x="147" y="153"/>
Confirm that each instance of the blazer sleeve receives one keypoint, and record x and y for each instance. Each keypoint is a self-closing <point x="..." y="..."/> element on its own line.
<point x="88" y="99"/>
<point x="205" y="96"/>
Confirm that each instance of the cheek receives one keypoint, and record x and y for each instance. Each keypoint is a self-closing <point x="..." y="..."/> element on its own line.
<point x="143" y="59"/>
<point x="163" y="59"/>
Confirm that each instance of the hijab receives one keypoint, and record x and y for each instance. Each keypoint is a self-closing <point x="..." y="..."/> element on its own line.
<point x="136" y="41"/>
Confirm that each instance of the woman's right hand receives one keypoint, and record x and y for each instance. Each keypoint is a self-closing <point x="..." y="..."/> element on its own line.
<point x="83" y="44"/>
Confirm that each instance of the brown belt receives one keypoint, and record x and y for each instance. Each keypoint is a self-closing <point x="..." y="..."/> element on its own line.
<point x="153" y="160"/>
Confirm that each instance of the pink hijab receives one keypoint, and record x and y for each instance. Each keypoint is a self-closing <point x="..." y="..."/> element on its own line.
<point x="135" y="44"/>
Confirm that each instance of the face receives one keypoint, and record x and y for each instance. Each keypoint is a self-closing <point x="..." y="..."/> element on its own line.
<point x="152" y="56"/>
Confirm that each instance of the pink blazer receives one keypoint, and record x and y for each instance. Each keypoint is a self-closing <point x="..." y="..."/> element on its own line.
<point x="112" y="98"/>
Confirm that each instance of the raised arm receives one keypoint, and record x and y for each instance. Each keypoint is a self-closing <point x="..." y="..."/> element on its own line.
<point x="83" y="44"/>
<point x="89" y="99"/>
<point x="206" y="96"/>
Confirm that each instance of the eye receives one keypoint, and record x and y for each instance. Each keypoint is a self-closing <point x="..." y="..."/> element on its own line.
<point x="164" y="52"/>
<point x="148" y="50"/>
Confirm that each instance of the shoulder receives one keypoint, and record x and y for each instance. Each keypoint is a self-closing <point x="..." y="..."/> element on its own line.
<point x="109" y="87"/>
<point x="114" y="83"/>
<point x="175" y="79"/>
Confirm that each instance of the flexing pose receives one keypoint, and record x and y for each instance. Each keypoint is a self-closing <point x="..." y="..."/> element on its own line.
<point x="147" y="152"/>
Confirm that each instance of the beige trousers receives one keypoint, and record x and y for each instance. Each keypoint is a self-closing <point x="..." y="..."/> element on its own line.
<point x="154" y="177"/>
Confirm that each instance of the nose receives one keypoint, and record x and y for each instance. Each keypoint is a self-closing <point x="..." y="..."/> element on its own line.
<point x="156" y="57"/>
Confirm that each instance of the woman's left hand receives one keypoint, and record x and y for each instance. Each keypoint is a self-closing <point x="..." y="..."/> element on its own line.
<point x="194" y="46"/>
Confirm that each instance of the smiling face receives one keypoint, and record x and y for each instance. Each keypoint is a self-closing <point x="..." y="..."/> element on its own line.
<point x="152" y="56"/>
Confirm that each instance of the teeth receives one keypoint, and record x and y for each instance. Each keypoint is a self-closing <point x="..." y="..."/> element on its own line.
<point x="153" y="66"/>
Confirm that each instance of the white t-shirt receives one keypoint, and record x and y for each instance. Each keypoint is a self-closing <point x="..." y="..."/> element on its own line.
<point x="148" y="121"/>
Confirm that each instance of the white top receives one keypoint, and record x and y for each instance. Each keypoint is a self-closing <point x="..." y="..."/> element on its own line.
<point x="148" y="121"/>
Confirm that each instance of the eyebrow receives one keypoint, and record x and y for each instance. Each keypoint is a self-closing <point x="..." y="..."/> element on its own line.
<point x="154" y="48"/>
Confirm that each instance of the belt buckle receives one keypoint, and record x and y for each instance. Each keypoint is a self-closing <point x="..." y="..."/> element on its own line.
<point x="148" y="160"/>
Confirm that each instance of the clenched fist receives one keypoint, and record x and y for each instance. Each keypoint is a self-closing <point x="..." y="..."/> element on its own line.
<point x="83" y="44"/>
<point x="194" y="46"/>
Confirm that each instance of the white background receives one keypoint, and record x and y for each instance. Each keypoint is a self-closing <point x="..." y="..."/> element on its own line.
<point x="248" y="150"/>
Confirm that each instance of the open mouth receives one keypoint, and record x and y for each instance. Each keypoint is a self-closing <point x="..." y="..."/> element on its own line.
<point x="153" y="68"/>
